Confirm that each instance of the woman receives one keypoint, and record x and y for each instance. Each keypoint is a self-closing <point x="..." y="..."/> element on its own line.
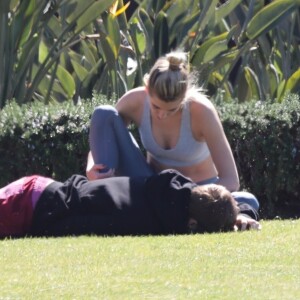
<point x="179" y="128"/>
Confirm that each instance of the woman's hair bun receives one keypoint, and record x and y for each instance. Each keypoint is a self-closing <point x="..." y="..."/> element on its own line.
<point x="177" y="60"/>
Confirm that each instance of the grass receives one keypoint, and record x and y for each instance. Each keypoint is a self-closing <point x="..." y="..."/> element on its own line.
<point x="248" y="265"/>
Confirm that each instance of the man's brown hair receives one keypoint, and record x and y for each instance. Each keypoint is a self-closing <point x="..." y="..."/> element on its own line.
<point x="213" y="207"/>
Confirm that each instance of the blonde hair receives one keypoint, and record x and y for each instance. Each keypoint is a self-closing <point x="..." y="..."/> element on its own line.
<point x="213" y="207"/>
<point x="169" y="77"/>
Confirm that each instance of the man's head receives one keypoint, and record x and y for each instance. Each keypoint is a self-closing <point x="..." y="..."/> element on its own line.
<point x="212" y="209"/>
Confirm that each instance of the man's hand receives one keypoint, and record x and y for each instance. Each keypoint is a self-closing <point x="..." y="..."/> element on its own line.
<point x="245" y="223"/>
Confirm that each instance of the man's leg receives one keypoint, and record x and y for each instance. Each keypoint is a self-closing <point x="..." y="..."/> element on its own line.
<point x="111" y="144"/>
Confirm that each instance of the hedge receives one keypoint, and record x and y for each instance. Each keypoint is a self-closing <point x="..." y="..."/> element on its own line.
<point x="265" y="139"/>
<point x="48" y="140"/>
<point x="53" y="141"/>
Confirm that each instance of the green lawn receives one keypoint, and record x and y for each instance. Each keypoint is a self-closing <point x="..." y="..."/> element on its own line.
<point x="247" y="265"/>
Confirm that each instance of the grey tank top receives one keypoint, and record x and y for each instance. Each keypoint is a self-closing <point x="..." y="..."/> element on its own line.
<point x="187" y="151"/>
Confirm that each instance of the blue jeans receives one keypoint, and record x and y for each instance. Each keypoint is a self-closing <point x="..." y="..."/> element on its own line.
<point x="246" y="197"/>
<point x="113" y="145"/>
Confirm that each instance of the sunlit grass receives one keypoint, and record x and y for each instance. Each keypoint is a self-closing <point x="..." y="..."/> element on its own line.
<point x="248" y="265"/>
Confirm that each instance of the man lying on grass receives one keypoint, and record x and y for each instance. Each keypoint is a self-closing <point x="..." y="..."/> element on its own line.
<point x="166" y="203"/>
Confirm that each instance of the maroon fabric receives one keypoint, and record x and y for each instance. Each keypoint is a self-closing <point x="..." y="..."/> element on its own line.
<point x="16" y="207"/>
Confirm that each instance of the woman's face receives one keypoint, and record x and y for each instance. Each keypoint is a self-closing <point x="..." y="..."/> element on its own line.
<point x="161" y="109"/>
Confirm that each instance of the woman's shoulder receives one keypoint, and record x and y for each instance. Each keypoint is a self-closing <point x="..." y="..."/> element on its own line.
<point x="138" y="92"/>
<point x="133" y="97"/>
<point x="131" y="104"/>
<point x="204" y="116"/>
<point x="199" y="102"/>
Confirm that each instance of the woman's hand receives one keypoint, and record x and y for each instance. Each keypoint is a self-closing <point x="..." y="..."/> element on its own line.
<point x="245" y="223"/>
<point x="96" y="172"/>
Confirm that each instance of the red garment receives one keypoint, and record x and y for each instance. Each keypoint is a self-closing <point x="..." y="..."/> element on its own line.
<point x="16" y="208"/>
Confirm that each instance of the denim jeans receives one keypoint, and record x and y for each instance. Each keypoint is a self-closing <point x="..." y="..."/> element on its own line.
<point x="112" y="144"/>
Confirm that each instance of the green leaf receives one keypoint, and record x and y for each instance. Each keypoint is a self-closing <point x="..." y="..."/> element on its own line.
<point x="268" y="17"/>
<point x="113" y="31"/>
<point x="225" y="59"/>
<point x="225" y="9"/>
<point x="178" y="12"/>
<point x="12" y="4"/>
<point x="207" y="15"/>
<point x="161" y="35"/>
<point x="44" y="87"/>
<point x="66" y="80"/>
<point x="217" y="79"/>
<point x="147" y="27"/>
<point x="122" y="18"/>
<point x="205" y="22"/>
<point x="215" y="50"/>
<point x="43" y="51"/>
<point x="90" y="52"/>
<point x="293" y="83"/>
<point x="92" y="13"/>
<point x="273" y="76"/>
<point x="80" y="71"/>
<point x="55" y="26"/>
<point x="281" y="90"/>
<point x="44" y="84"/>
<point x="212" y="48"/>
<point x="253" y="83"/>
<point x="109" y="52"/>
<point x="23" y="22"/>
<point x="158" y="5"/>
<point x="94" y="72"/>
<point x="242" y="89"/>
<point x="27" y="56"/>
<point x="74" y="9"/>
<point x="183" y="29"/>
<point x="75" y="56"/>
<point x="138" y="36"/>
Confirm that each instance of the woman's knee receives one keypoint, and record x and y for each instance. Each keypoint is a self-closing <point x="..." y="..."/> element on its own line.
<point x="103" y="113"/>
<point x="246" y="197"/>
<point x="101" y="123"/>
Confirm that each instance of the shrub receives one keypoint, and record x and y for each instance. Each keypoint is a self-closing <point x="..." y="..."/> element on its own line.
<point x="49" y="140"/>
<point x="265" y="139"/>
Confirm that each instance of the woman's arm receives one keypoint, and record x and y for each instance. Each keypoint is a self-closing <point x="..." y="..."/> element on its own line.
<point x="207" y="126"/>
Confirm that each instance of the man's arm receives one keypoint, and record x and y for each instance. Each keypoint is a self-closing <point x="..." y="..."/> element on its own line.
<point x="248" y="218"/>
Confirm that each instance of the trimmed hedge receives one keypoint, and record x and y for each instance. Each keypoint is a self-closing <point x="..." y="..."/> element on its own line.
<point x="53" y="141"/>
<point x="47" y="140"/>
<point x="265" y="139"/>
